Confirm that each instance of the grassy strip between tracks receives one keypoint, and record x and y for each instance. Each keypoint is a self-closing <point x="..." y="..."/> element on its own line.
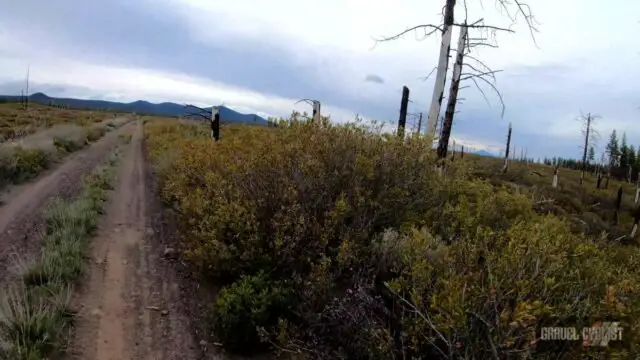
<point x="35" y="314"/>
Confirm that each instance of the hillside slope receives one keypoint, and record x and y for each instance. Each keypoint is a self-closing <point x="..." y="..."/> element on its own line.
<point x="140" y="107"/>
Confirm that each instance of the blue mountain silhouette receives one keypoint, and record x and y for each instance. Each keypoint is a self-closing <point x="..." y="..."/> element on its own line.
<point x="142" y="107"/>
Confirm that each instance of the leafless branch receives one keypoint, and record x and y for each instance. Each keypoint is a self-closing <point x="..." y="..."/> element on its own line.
<point x="429" y="29"/>
<point x="494" y="89"/>
<point x="522" y="9"/>
<point x="479" y="25"/>
<point x="431" y="73"/>
<point x="466" y="76"/>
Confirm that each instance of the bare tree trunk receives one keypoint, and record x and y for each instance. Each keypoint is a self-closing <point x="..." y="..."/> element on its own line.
<point x="443" y="65"/>
<point x="402" y="121"/>
<point x="554" y="182"/>
<point x="316" y="111"/>
<point x="506" y="153"/>
<point x="618" y="203"/>
<point x="599" y="179"/>
<point x="635" y="202"/>
<point x="420" y="123"/>
<point x="462" y="151"/>
<point x="586" y="146"/>
<point x="453" y="95"/>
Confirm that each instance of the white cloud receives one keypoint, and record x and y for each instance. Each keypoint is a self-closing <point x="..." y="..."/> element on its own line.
<point x="130" y="84"/>
<point x="586" y="59"/>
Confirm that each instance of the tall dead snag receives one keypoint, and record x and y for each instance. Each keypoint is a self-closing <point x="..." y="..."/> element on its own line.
<point x="635" y="202"/>
<point x="636" y="218"/>
<point x="419" y="123"/>
<point x="315" y="104"/>
<point x="506" y="153"/>
<point x="618" y="203"/>
<point x="316" y="111"/>
<point x="554" y="182"/>
<point x="443" y="65"/>
<point x="402" y="121"/>
<point x="590" y="135"/>
<point x="453" y="94"/>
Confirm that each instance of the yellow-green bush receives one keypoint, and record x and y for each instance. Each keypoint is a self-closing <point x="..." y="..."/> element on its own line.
<point x="382" y="256"/>
<point x="18" y="164"/>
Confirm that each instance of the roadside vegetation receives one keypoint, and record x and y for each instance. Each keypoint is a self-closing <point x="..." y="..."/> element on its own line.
<point x="17" y="122"/>
<point x="25" y="158"/>
<point x="35" y="314"/>
<point x="339" y="241"/>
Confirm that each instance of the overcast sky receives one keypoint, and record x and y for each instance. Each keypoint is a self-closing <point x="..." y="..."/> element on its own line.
<point x="261" y="56"/>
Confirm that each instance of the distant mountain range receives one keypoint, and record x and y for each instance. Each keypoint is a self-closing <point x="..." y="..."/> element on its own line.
<point x="484" y="153"/>
<point x="140" y="107"/>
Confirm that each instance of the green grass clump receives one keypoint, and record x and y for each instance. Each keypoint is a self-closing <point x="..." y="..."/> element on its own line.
<point x="18" y="164"/>
<point x="379" y="256"/>
<point x="34" y="316"/>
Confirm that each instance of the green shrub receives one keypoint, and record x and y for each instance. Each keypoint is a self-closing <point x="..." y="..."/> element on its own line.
<point x="94" y="133"/>
<point x="18" y="165"/>
<point x="250" y="303"/>
<point x="385" y="257"/>
<point x="68" y="145"/>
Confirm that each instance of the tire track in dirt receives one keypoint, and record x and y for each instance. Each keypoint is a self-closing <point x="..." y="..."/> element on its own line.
<point x="21" y="221"/>
<point x="129" y="300"/>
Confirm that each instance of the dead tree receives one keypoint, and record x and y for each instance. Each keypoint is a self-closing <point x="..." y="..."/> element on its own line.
<point x="510" y="8"/>
<point x="402" y="121"/>
<point x="420" y="123"/>
<point x="453" y="95"/>
<point x="618" y="203"/>
<point x="210" y="116"/>
<point x="636" y="218"/>
<point x="506" y="153"/>
<point x="26" y="94"/>
<point x="315" y="104"/>
<point x="554" y="182"/>
<point x="590" y="135"/>
<point x="635" y="202"/>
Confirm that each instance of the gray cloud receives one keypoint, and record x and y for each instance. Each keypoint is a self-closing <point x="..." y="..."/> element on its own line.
<point x="122" y="33"/>
<point x="374" y="78"/>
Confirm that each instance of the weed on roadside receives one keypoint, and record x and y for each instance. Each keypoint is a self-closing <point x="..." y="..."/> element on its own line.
<point x="34" y="315"/>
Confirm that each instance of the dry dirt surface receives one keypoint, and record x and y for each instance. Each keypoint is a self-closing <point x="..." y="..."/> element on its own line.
<point x="129" y="303"/>
<point x="21" y="222"/>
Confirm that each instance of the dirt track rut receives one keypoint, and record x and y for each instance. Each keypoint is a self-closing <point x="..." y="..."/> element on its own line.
<point x="129" y="301"/>
<point x="21" y="222"/>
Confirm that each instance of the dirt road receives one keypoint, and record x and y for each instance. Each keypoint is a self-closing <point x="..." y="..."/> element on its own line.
<point x="129" y="302"/>
<point x="21" y="220"/>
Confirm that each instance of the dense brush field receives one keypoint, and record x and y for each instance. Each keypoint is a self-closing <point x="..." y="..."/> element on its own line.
<point x="35" y="139"/>
<point x="16" y="122"/>
<point x="341" y="242"/>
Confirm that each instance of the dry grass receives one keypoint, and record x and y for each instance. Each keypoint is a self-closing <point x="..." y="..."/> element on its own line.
<point x="35" y="313"/>
<point x="23" y="158"/>
<point x="16" y="122"/>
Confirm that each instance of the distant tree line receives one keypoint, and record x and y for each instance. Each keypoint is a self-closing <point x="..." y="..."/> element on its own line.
<point x="619" y="160"/>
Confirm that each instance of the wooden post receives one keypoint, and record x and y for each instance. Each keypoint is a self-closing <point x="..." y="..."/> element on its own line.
<point x="461" y="151"/>
<point x="419" y="123"/>
<point x="403" y="111"/>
